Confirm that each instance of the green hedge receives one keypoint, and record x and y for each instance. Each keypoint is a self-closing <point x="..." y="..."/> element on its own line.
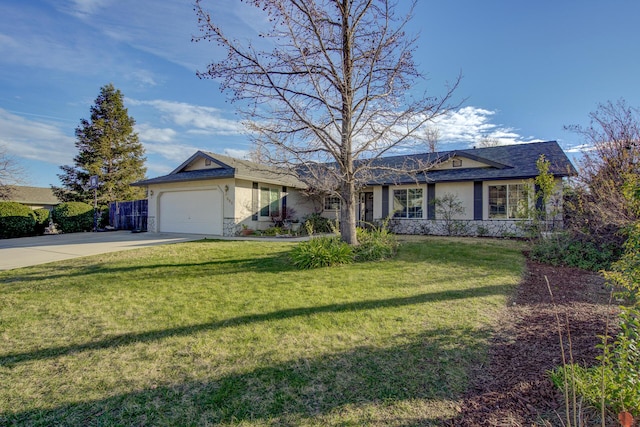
<point x="71" y="217"/>
<point x="16" y="220"/>
<point x="42" y="220"/>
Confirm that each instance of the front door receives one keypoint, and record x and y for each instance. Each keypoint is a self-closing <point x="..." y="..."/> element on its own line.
<point x="365" y="213"/>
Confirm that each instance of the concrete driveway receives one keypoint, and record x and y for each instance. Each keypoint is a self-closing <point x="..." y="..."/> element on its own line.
<point x="26" y="251"/>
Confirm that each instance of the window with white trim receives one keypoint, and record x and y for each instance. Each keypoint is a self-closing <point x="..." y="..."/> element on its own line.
<point x="331" y="203"/>
<point x="508" y="201"/>
<point x="269" y="201"/>
<point x="407" y="203"/>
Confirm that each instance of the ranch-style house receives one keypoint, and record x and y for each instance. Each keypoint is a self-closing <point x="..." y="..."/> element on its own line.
<point x="479" y="191"/>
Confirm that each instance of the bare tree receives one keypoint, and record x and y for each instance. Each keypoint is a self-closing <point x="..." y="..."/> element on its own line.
<point x="11" y="173"/>
<point x="487" y="141"/>
<point x="432" y="136"/>
<point x="334" y="92"/>
<point x="611" y="156"/>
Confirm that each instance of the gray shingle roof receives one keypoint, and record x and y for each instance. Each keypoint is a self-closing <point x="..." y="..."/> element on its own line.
<point x="228" y="167"/>
<point x="503" y="162"/>
<point x="33" y="195"/>
<point x="195" y="175"/>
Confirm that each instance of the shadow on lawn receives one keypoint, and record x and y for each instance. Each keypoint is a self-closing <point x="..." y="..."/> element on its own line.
<point x="275" y="263"/>
<point x="431" y="367"/>
<point x="132" y="338"/>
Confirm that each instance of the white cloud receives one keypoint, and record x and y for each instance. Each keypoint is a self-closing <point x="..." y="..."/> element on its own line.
<point x="158" y="169"/>
<point x="580" y="149"/>
<point x="85" y="8"/>
<point x="195" y="119"/>
<point x="237" y="153"/>
<point x="177" y="153"/>
<point x="144" y="78"/>
<point x="35" y="140"/>
<point x="162" y="141"/>
<point x="149" y="134"/>
<point x="471" y="125"/>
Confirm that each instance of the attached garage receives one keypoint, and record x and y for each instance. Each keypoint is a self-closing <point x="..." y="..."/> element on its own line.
<point x="215" y="195"/>
<point x="194" y="211"/>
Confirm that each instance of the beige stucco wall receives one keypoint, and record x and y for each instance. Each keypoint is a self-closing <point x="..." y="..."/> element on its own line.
<point x="200" y="163"/>
<point x="466" y="163"/>
<point x="244" y="201"/>
<point x="303" y="205"/>
<point x="462" y="191"/>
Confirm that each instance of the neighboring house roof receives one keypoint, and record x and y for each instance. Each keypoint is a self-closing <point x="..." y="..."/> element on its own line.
<point x="32" y="195"/>
<point x="498" y="163"/>
<point x="502" y="162"/>
<point x="225" y="167"/>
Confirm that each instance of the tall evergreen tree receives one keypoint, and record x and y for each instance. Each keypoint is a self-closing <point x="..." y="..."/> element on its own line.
<point x="108" y="148"/>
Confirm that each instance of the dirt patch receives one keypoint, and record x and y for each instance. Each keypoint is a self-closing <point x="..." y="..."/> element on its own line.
<point x="513" y="388"/>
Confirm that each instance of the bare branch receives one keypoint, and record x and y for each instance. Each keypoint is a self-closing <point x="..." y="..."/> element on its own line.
<point x="332" y="95"/>
<point x="11" y="173"/>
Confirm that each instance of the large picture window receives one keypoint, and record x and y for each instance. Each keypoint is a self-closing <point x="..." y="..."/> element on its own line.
<point x="508" y="201"/>
<point x="269" y="202"/>
<point x="407" y="203"/>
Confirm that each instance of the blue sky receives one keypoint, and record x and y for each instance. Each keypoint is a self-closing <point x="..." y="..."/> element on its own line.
<point x="529" y="68"/>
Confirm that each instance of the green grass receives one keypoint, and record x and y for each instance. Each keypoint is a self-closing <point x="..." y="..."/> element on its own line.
<point x="228" y="333"/>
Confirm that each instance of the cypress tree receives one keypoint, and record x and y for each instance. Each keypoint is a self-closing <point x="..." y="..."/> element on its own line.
<point x="109" y="148"/>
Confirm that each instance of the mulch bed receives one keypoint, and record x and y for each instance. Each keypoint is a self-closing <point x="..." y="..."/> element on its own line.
<point x="513" y="388"/>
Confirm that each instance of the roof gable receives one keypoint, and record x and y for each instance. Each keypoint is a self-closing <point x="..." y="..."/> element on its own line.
<point x="198" y="161"/>
<point x="458" y="159"/>
<point x="204" y="165"/>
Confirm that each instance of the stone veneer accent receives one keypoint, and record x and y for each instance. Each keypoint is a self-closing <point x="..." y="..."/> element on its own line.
<point x="230" y="227"/>
<point x="433" y="227"/>
<point x="494" y="228"/>
<point x="151" y="223"/>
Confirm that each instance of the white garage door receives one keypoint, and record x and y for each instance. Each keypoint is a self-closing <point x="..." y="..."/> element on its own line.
<point x="197" y="211"/>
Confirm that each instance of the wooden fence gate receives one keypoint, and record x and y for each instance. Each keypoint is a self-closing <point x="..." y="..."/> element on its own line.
<point x="129" y="215"/>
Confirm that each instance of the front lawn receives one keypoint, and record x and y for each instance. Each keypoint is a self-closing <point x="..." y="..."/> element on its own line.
<point x="228" y="333"/>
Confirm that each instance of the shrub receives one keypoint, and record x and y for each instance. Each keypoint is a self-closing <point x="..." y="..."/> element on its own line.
<point x="16" y="220"/>
<point x="625" y="273"/>
<point x="375" y="244"/>
<point x="42" y="220"/>
<point x="317" y="223"/>
<point x="71" y="217"/>
<point x="448" y="207"/>
<point x="321" y="252"/>
<point x="273" y="231"/>
<point x="566" y="249"/>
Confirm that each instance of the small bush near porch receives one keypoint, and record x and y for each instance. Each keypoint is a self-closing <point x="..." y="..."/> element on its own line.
<point x="230" y="333"/>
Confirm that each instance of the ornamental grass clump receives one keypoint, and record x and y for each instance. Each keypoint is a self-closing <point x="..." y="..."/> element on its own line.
<point x="321" y="252"/>
<point x="375" y="244"/>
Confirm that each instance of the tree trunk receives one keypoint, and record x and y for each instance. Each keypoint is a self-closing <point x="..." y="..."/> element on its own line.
<point x="348" y="214"/>
<point x="348" y="190"/>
